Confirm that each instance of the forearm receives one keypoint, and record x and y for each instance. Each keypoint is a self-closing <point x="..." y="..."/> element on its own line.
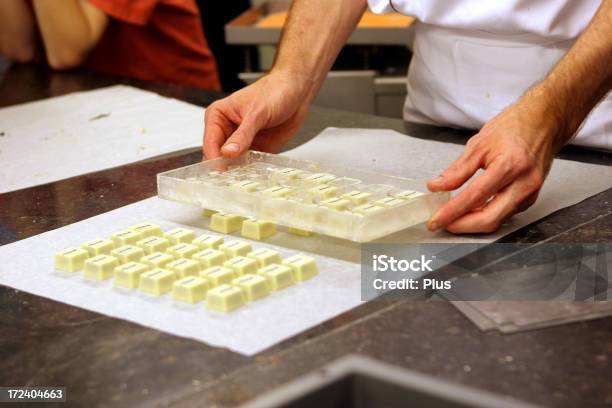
<point x="581" y="79"/>
<point x="315" y="33"/>
<point x="17" y="35"/>
<point x="69" y="30"/>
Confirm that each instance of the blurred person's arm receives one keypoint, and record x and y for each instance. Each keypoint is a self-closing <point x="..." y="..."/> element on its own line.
<point x="17" y="34"/>
<point x="267" y="113"/>
<point x="70" y="29"/>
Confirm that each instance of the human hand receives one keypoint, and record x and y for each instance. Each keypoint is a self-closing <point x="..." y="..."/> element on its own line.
<point x="515" y="149"/>
<point x="262" y="116"/>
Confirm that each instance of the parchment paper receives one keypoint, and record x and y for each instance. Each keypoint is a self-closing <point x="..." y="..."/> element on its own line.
<point x="28" y="265"/>
<point x="84" y="132"/>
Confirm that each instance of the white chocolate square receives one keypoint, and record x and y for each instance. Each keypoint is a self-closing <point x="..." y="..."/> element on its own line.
<point x="285" y="175"/>
<point x="126" y="237"/>
<point x="191" y="289"/>
<point x="209" y="258"/>
<point x="278" y="276"/>
<point x="407" y="194"/>
<point x="225" y="223"/>
<point x="128" y="253"/>
<point x="257" y="229"/>
<point x="277" y="191"/>
<point x="224" y="299"/>
<point x="101" y="267"/>
<point x="389" y="202"/>
<point x="128" y="274"/>
<point x="180" y="235"/>
<point x="156" y="282"/>
<point x="208" y="241"/>
<point x="208" y="213"/>
<point x="357" y="197"/>
<point x="157" y="260"/>
<point x="336" y="203"/>
<point x="318" y="178"/>
<point x="235" y="248"/>
<point x="184" y="267"/>
<point x="248" y="186"/>
<point x="147" y="229"/>
<point x="303" y="267"/>
<point x="265" y="256"/>
<point x="71" y="259"/>
<point x="153" y="244"/>
<point x="367" y="209"/>
<point x="253" y="287"/>
<point x="218" y="275"/>
<point x="242" y="265"/>
<point x="182" y="250"/>
<point x="321" y="192"/>
<point x="98" y="247"/>
<point x="299" y="231"/>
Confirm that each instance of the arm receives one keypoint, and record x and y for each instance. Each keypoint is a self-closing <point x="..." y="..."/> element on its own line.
<point x="70" y="29"/>
<point x="267" y="113"/>
<point x="517" y="147"/>
<point x="17" y="35"/>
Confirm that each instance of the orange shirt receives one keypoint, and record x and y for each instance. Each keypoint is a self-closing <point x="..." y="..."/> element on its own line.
<point x="157" y="40"/>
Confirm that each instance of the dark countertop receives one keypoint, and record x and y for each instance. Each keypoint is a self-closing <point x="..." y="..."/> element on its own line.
<point x="109" y="362"/>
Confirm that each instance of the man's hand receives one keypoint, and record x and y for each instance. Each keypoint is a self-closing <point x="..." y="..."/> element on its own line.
<point x="516" y="150"/>
<point x="262" y="116"/>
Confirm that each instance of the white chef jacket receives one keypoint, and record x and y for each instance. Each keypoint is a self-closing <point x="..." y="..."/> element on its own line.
<point x="473" y="58"/>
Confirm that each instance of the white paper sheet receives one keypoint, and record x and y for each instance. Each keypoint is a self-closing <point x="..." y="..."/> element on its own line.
<point x="84" y="132"/>
<point x="388" y="151"/>
<point x="27" y="265"/>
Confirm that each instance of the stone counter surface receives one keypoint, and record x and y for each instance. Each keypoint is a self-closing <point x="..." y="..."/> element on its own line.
<point x="109" y="362"/>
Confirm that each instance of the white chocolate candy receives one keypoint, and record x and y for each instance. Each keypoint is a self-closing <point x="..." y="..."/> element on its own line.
<point x="182" y="250"/>
<point x="184" y="267"/>
<point x="224" y="299"/>
<point x="156" y="282"/>
<point x="191" y="289"/>
<point x="208" y="241"/>
<point x="225" y="223"/>
<point x="128" y="253"/>
<point x="389" y="202"/>
<point x="253" y="287"/>
<point x="299" y="231"/>
<point x="257" y="229"/>
<point x="285" y="175"/>
<point x="318" y="178"/>
<point x="242" y="265"/>
<point x="303" y="267"/>
<point x="278" y="276"/>
<point x="336" y="203"/>
<point x="71" y="259"/>
<point x="147" y="229"/>
<point x="218" y="275"/>
<point x="128" y="274"/>
<point x="235" y="248"/>
<point x="407" y="194"/>
<point x="248" y="186"/>
<point x="265" y="256"/>
<point x="209" y="258"/>
<point x="157" y="260"/>
<point x="126" y="237"/>
<point x="180" y="235"/>
<point x="278" y="191"/>
<point x="321" y="192"/>
<point x="98" y="247"/>
<point x="367" y="209"/>
<point x="101" y="267"/>
<point x="153" y="244"/>
<point x="357" y="197"/>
